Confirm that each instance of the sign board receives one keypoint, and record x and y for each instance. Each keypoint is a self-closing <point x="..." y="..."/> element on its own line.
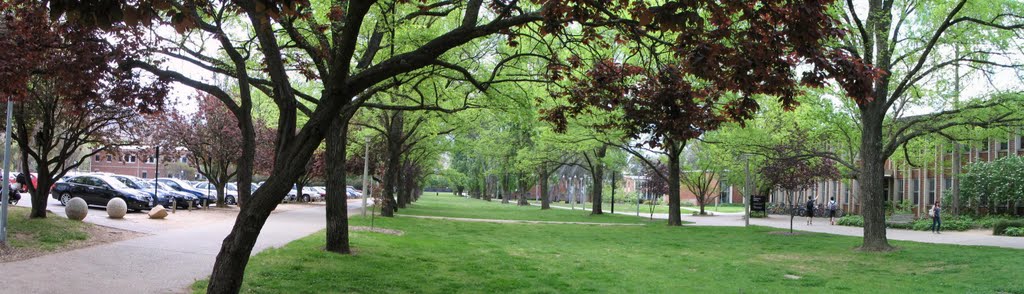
<point x="757" y="203"/>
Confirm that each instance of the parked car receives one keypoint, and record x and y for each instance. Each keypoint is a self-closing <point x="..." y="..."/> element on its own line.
<point x="98" y="190"/>
<point x="181" y="199"/>
<point x="185" y="187"/>
<point x="230" y="191"/>
<point x="138" y="184"/>
<point x="353" y="193"/>
<point x="307" y="194"/>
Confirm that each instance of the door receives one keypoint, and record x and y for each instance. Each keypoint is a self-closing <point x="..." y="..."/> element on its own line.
<point x="89" y="190"/>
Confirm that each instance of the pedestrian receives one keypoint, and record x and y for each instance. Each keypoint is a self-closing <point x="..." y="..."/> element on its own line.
<point x="936" y="213"/>
<point x="810" y="210"/>
<point x="832" y="210"/>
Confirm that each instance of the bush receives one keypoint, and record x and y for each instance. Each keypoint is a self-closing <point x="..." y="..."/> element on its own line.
<point x="988" y="222"/>
<point x="959" y="223"/>
<point x="1000" y="227"/>
<point x="1014" y="231"/>
<point x="851" y="220"/>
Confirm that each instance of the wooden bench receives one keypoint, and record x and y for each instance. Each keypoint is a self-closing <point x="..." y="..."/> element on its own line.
<point x="900" y="219"/>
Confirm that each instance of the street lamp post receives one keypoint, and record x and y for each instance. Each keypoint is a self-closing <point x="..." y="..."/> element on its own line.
<point x="7" y="173"/>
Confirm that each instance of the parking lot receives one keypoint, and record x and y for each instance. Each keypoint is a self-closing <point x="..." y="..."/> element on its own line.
<point x="140" y="221"/>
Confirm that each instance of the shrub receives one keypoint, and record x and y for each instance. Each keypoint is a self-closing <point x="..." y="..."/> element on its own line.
<point x="1000" y="227"/>
<point x="1014" y="231"/>
<point x="988" y="222"/>
<point x="851" y="220"/>
<point x="959" y="223"/>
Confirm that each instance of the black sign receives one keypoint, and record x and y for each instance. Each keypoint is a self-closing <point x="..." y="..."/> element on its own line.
<point x="757" y="202"/>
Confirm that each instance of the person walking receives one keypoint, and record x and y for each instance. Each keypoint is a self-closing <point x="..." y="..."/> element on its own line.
<point x="936" y="213"/>
<point x="810" y="210"/>
<point x="832" y="210"/>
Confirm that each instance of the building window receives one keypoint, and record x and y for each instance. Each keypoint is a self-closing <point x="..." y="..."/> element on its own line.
<point x="915" y="189"/>
<point x="723" y="196"/>
<point x="130" y="158"/>
<point x="97" y="157"/>
<point x="110" y="158"/>
<point x="931" y="190"/>
<point x="1004" y="145"/>
<point x="184" y="159"/>
<point x="984" y="146"/>
<point x="846" y="194"/>
<point x="899" y="191"/>
<point x="144" y="174"/>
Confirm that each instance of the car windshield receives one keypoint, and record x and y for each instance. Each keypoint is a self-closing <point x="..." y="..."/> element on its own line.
<point x="131" y="183"/>
<point x="184" y="184"/>
<point x="231" y="187"/>
<point x="113" y="182"/>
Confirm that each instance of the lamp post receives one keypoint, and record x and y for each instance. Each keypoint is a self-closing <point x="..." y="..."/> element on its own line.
<point x="7" y="173"/>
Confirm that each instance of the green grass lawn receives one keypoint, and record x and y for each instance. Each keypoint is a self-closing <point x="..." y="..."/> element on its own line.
<point x="646" y="208"/>
<point x="446" y="204"/>
<point x="438" y="256"/>
<point x="46" y="234"/>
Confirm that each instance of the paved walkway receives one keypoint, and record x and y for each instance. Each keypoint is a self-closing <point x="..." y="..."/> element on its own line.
<point x="972" y="237"/>
<point x="512" y="221"/>
<point x="166" y="262"/>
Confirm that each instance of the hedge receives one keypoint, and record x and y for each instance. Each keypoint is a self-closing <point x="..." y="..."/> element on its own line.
<point x="1000" y="227"/>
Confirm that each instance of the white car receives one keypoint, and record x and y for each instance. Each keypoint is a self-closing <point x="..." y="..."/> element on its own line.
<point x="308" y="194"/>
<point x="230" y="192"/>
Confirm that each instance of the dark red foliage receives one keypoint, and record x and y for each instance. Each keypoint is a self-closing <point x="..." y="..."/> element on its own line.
<point x="655" y="183"/>
<point x="721" y="54"/>
<point x="789" y="167"/>
<point x="82" y="59"/>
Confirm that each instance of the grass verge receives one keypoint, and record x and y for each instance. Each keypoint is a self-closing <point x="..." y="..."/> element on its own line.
<point x="47" y="234"/>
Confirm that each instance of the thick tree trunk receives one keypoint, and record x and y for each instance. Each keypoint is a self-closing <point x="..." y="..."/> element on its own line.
<point x="503" y="188"/>
<point x="337" y="210"/>
<point x="523" y="191"/>
<point x="245" y="160"/>
<point x="394" y="146"/>
<point x="674" y="217"/>
<point x="545" y="197"/>
<point x="598" y="181"/>
<point x="871" y="179"/>
<point x="220" y="193"/>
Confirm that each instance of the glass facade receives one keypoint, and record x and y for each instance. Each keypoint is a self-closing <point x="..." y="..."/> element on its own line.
<point x="915" y="188"/>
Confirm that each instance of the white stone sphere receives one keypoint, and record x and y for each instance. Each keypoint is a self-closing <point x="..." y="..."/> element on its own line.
<point x="117" y="208"/>
<point x="76" y="209"/>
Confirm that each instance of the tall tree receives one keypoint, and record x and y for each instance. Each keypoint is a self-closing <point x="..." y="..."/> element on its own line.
<point x="211" y="137"/>
<point x="69" y="93"/>
<point x="912" y="45"/>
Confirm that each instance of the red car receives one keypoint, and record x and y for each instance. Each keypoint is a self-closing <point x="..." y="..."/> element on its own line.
<point x="13" y="178"/>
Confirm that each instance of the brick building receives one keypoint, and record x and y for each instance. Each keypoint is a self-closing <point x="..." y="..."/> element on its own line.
<point x="919" y="186"/>
<point x="133" y="161"/>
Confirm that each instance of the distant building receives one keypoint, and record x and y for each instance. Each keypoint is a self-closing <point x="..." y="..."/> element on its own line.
<point x="139" y="162"/>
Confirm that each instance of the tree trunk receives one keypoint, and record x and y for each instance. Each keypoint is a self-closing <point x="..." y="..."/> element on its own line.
<point x="523" y="191"/>
<point x="956" y="178"/>
<point x="674" y="217"/>
<point x="872" y="177"/>
<point x="598" y="179"/>
<point x="220" y="193"/>
<point x="390" y="205"/>
<point x="337" y="210"/>
<point x="545" y="197"/>
<point x="503" y="188"/>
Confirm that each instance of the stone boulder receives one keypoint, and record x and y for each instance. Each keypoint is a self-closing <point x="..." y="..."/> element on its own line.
<point x="76" y="209"/>
<point x="158" y="212"/>
<point x="117" y="208"/>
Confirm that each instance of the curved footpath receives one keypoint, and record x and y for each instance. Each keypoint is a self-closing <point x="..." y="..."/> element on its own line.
<point x="972" y="237"/>
<point x="165" y="262"/>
